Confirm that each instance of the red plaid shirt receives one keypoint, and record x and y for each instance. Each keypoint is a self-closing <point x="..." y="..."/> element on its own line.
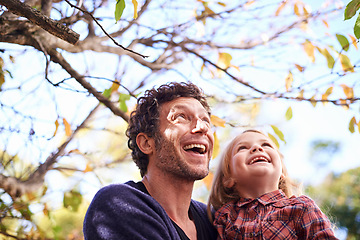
<point x="273" y="216"/>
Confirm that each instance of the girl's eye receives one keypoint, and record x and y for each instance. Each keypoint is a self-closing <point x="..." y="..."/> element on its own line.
<point x="266" y="144"/>
<point x="241" y="148"/>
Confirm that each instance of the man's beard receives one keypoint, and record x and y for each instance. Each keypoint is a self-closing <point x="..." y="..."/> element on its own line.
<point x="169" y="160"/>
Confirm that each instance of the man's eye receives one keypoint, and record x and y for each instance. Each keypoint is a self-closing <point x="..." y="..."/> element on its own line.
<point x="207" y="120"/>
<point x="181" y="116"/>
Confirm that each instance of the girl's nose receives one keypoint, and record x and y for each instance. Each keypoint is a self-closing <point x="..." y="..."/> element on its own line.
<point x="256" y="148"/>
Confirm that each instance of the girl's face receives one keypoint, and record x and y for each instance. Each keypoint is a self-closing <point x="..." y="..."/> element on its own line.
<point x="255" y="162"/>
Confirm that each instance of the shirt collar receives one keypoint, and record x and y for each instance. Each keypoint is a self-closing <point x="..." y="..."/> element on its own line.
<point x="264" y="199"/>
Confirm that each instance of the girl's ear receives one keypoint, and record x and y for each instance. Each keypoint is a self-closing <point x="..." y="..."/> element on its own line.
<point x="145" y="143"/>
<point x="282" y="176"/>
<point x="229" y="183"/>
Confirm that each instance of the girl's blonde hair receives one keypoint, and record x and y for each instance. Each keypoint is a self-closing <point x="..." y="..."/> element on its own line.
<point x="220" y="194"/>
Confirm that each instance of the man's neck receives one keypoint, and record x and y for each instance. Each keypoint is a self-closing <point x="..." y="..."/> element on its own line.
<point x="174" y="196"/>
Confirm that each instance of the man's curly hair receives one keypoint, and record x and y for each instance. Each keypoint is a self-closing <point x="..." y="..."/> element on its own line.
<point x="145" y="118"/>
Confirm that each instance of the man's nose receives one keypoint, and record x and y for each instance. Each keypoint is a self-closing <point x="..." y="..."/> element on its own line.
<point x="200" y="126"/>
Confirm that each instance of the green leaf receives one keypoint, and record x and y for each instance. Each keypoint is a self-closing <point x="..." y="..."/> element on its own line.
<point x="119" y="9"/>
<point x="274" y="140"/>
<point x="278" y="133"/>
<point x="288" y="114"/>
<point x="357" y="27"/>
<point x="107" y="93"/>
<point x="344" y="42"/>
<point x="122" y="100"/>
<point x="351" y="9"/>
<point x="72" y="200"/>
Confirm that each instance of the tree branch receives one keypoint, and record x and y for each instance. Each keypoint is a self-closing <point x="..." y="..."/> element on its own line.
<point x="16" y="187"/>
<point x="51" y="26"/>
<point x="58" y="58"/>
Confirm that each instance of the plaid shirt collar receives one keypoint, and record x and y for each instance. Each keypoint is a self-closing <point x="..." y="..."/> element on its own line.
<point x="264" y="199"/>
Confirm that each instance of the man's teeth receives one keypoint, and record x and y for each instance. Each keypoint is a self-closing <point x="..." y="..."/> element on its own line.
<point x="198" y="146"/>
<point x="259" y="159"/>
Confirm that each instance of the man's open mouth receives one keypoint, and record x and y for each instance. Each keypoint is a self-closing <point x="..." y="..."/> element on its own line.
<point x="198" y="148"/>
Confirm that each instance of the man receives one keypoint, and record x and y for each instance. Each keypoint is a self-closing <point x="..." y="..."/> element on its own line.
<point x="171" y="142"/>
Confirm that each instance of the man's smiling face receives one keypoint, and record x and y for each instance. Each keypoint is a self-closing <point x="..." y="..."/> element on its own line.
<point x="185" y="140"/>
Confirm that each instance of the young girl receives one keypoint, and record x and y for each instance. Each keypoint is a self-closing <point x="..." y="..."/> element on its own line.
<point x="251" y="195"/>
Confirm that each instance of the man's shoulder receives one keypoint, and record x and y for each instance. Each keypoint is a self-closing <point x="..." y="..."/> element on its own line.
<point x="117" y="210"/>
<point x="129" y="191"/>
<point x="118" y="187"/>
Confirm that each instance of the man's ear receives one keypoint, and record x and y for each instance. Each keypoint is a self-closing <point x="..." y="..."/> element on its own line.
<point x="145" y="143"/>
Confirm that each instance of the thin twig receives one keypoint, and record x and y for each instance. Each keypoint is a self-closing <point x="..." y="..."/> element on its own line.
<point x="108" y="35"/>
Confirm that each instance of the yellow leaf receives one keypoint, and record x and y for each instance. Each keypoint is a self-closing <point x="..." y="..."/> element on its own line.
<point x="274" y="140"/>
<point x="325" y="23"/>
<point x="296" y="10"/>
<point x="353" y="41"/>
<point x="309" y="49"/>
<point x="135" y="3"/>
<point x="202" y="68"/>
<point x="300" y="68"/>
<point x="349" y="92"/>
<point x="288" y="114"/>
<point x="208" y="11"/>
<point x="327" y="55"/>
<point x="236" y="67"/>
<point x="115" y="86"/>
<point x="326" y="94"/>
<point x="208" y="180"/>
<point x="346" y="64"/>
<point x="216" y="121"/>
<point x="279" y="133"/>
<point x="312" y="100"/>
<point x="56" y="127"/>
<point x="216" y="149"/>
<point x="301" y="94"/>
<point x="288" y="81"/>
<point x="30" y="196"/>
<point x="77" y="151"/>
<point x="68" y="130"/>
<point x="46" y="210"/>
<point x="221" y="4"/>
<point x="344" y="103"/>
<point x="248" y="3"/>
<point x="306" y="12"/>
<point x="352" y="125"/>
<point x="280" y="8"/>
<point x="329" y="91"/>
<point x="88" y="168"/>
<point x="224" y="60"/>
<point x="358" y="126"/>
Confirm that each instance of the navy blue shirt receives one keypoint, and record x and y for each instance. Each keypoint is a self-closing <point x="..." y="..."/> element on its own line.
<point x="127" y="211"/>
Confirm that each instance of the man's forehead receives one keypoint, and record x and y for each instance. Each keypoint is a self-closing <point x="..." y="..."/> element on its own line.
<point x="184" y="103"/>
